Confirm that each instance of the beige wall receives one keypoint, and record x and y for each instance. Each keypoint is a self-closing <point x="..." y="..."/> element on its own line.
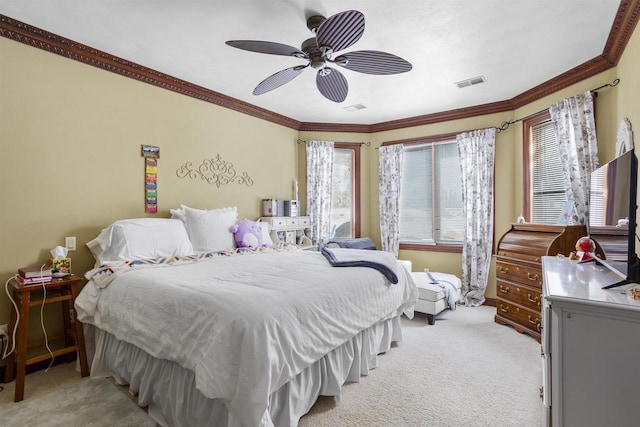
<point x="627" y="103"/>
<point x="70" y="162"/>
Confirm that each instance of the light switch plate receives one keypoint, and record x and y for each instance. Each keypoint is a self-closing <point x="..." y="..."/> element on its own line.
<point x="70" y="243"/>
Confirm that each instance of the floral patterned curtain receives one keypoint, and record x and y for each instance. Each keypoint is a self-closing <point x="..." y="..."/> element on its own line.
<point x="389" y="189"/>
<point x="476" y="150"/>
<point x="319" y="188"/>
<point x="575" y="128"/>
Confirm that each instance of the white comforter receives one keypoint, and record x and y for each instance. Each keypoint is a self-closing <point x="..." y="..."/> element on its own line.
<point x="245" y="325"/>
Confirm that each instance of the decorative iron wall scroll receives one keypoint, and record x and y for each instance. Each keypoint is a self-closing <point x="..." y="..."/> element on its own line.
<point x="151" y="155"/>
<point x="214" y="171"/>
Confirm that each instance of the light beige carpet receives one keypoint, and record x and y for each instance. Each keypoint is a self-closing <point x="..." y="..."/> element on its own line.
<point x="90" y="402"/>
<point x="465" y="370"/>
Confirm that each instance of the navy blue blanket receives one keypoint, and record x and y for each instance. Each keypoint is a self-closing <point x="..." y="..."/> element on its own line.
<point x="384" y="262"/>
<point x="352" y="243"/>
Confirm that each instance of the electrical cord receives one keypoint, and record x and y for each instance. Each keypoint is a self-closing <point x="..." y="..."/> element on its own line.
<point x="15" y="327"/>
<point x="44" y="331"/>
<point x="2" y="338"/>
<point x="7" y="352"/>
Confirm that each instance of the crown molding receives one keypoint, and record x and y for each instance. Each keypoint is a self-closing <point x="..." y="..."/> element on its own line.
<point x="626" y="20"/>
<point x="623" y="25"/>
<point x="566" y="79"/>
<point x="444" y="116"/>
<point x="335" y="127"/>
<point x="36" y="37"/>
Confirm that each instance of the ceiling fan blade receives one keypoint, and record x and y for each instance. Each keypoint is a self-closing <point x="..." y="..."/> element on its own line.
<point x="276" y="80"/>
<point x="332" y="84"/>
<point x="341" y="30"/>
<point x="271" y="48"/>
<point x="373" y="62"/>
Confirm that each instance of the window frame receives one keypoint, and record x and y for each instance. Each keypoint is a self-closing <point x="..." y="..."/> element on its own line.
<point x="355" y="147"/>
<point x="429" y="247"/>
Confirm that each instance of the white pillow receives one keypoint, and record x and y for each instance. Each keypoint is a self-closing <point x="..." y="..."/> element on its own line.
<point x="141" y="238"/>
<point x="266" y="235"/>
<point x="177" y="214"/>
<point x="210" y="230"/>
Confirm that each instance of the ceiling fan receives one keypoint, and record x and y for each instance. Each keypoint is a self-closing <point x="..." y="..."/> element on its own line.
<point x="332" y="35"/>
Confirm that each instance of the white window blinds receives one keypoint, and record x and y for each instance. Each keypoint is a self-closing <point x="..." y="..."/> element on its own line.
<point x="431" y="194"/>
<point x="547" y="192"/>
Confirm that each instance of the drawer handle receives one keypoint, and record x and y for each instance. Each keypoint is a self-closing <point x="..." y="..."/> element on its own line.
<point x="533" y="299"/>
<point x="532" y="276"/>
<point x="535" y="321"/>
<point x="504" y="289"/>
<point x="504" y="309"/>
<point x="504" y="270"/>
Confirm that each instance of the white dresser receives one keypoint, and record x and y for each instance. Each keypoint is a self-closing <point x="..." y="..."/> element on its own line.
<point x="288" y="228"/>
<point x="590" y="346"/>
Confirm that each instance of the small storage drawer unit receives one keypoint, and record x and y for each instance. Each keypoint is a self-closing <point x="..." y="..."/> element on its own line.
<point x="519" y="271"/>
<point x="288" y="229"/>
<point x="286" y="222"/>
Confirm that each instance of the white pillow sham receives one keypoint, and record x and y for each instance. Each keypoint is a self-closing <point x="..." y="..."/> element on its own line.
<point x="141" y="238"/>
<point x="209" y="230"/>
<point x="266" y="235"/>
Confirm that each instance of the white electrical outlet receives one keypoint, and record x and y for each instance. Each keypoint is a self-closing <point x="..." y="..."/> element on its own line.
<point x="70" y="243"/>
<point x="4" y="330"/>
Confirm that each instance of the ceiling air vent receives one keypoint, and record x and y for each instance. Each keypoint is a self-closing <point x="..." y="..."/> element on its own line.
<point x="470" y="82"/>
<point x="354" y="107"/>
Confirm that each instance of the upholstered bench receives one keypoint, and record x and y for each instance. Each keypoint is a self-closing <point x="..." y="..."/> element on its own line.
<point x="432" y="298"/>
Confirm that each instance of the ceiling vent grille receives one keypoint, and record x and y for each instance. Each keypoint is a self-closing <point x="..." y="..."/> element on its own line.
<point x="470" y="82"/>
<point x="355" y="107"/>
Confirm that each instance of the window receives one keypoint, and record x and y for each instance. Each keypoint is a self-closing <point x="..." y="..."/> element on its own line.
<point x="431" y="194"/>
<point x="544" y="192"/>
<point x="345" y="209"/>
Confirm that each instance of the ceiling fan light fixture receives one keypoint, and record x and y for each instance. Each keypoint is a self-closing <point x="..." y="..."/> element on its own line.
<point x="332" y="35"/>
<point x="313" y="22"/>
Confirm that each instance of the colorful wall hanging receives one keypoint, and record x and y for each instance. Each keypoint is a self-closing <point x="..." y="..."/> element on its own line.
<point x="151" y="155"/>
<point x="214" y="171"/>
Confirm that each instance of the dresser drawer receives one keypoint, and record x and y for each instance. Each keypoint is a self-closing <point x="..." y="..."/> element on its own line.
<point x="521" y="315"/>
<point x="520" y="294"/>
<point x="531" y="275"/>
<point x="278" y="222"/>
<point x="520" y="255"/>
<point x="303" y="221"/>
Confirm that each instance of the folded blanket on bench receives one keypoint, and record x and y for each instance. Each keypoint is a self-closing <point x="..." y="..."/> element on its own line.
<point x="384" y="262"/>
<point x="451" y="291"/>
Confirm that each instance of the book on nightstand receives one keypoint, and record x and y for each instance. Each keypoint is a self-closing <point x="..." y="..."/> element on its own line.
<point x="33" y="280"/>
<point x="34" y="271"/>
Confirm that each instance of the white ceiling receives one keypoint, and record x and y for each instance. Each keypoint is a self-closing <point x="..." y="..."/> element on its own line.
<point x="514" y="44"/>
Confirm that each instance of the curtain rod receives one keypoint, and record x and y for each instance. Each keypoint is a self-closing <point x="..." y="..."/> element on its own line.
<point x="368" y="144"/>
<point x="505" y="125"/>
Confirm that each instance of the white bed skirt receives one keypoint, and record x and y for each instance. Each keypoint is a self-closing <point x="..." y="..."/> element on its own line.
<point x="170" y="393"/>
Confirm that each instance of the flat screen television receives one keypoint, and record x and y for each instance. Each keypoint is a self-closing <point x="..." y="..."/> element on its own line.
<point x="612" y="205"/>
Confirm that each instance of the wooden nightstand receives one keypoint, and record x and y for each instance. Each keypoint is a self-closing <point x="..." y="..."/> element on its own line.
<point x="64" y="291"/>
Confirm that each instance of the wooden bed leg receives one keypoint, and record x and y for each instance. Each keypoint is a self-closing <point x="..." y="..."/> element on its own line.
<point x="431" y="319"/>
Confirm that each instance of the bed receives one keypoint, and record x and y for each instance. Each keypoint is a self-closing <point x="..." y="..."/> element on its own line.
<point x="231" y="336"/>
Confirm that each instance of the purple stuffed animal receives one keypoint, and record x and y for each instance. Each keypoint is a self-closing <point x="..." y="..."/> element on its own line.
<point x="247" y="234"/>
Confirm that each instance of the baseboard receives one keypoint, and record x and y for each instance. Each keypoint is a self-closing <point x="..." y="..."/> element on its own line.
<point x="38" y="366"/>
<point x="490" y="302"/>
